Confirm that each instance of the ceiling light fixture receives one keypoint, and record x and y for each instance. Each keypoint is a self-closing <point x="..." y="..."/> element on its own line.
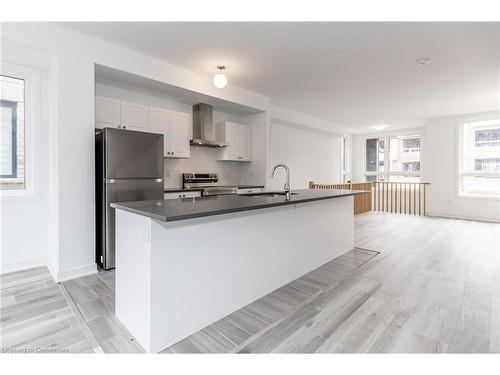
<point x="423" y="61"/>
<point x="220" y="79"/>
<point x="380" y="127"/>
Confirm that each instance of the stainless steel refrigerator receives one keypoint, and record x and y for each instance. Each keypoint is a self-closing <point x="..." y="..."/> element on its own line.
<point x="129" y="167"/>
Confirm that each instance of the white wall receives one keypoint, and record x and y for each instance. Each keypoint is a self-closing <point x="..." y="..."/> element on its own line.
<point x="25" y="229"/>
<point x="310" y="156"/>
<point x="73" y="55"/>
<point x="440" y="161"/>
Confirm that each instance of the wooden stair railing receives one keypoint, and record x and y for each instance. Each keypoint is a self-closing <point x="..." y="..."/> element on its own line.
<point x="362" y="202"/>
<point x="400" y="197"/>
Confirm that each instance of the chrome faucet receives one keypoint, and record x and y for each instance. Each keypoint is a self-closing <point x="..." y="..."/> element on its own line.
<point x="286" y="188"/>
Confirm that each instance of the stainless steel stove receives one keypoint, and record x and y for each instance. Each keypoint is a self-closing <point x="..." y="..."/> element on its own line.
<point x="209" y="182"/>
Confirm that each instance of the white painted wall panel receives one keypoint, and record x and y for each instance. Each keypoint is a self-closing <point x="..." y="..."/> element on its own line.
<point x="310" y="156"/>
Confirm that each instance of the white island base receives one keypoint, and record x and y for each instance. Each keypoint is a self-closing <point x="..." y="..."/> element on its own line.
<point x="175" y="278"/>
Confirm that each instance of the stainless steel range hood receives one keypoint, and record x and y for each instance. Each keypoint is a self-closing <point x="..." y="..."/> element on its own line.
<point x="203" y="127"/>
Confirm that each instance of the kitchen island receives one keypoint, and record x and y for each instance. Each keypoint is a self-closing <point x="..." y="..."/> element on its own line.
<point x="183" y="264"/>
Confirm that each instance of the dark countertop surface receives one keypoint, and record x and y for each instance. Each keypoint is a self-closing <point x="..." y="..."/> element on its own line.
<point x="189" y="208"/>
<point x="178" y="190"/>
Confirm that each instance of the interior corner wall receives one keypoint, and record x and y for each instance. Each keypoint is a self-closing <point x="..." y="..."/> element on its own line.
<point x="309" y="155"/>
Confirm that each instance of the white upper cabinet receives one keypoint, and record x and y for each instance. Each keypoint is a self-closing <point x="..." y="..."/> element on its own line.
<point x="107" y="112"/>
<point x="239" y="140"/>
<point x="134" y="116"/>
<point x="159" y="122"/>
<point x="175" y="127"/>
<point x="180" y="134"/>
<point x="245" y="142"/>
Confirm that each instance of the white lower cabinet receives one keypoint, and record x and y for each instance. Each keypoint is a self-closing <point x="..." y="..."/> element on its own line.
<point x="182" y="194"/>
<point x="239" y="141"/>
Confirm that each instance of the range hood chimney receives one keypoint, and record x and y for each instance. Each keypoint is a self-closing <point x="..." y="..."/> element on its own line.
<point x="203" y="127"/>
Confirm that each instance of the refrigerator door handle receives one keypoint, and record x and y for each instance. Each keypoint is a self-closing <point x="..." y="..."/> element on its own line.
<point x="117" y="180"/>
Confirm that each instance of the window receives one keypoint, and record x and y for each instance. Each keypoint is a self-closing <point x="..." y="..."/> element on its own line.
<point x="479" y="159"/>
<point x="12" y="147"/>
<point x="400" y="162"/>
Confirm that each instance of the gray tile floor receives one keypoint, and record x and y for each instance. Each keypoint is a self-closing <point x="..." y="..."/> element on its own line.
<point x="435" y="287"/>
<point x="36" y="315"/>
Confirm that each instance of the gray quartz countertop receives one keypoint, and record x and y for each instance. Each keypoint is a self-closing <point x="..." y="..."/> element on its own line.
<point x="189" y="208"/>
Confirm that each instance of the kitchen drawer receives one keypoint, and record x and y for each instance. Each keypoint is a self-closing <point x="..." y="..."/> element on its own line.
<point x="182" y="194"/>
<point x="250" y="190"/>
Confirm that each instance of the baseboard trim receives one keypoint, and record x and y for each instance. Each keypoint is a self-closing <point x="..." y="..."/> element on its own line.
<point x="24" y="265"/>
<point x="76" y="272"/>
<point x="459" y="217"/>
<point x="43" y="262"/>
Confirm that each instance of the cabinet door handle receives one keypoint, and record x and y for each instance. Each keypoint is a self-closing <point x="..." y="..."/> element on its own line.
<point x="124" y="127"/>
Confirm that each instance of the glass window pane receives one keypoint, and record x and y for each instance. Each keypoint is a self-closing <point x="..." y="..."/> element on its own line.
<point x="12" y="168"/>
<point x="404" y="153"/>
<point x="481" y="153"/>
<point x="487" y="137"/>
<point x="381" y="158"/>
<point x="371" y="155"/>
<point x="487" y="165"/>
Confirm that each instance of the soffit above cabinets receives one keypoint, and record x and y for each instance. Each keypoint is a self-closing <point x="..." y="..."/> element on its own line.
<point x="132" y="82"/>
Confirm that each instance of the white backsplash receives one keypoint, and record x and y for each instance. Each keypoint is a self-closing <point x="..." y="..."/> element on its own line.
<point x="204" y="160"/>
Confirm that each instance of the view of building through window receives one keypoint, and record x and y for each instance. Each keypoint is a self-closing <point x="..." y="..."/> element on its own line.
<point x="12" y="148"/>
<point x="480" y="158"/>
<point x="402" y="159"/>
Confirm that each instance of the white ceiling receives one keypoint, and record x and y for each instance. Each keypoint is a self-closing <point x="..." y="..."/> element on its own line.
<point x="353" y="74"/>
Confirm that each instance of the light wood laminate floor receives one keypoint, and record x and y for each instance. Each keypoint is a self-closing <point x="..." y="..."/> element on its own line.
<point x="434" y="287"/>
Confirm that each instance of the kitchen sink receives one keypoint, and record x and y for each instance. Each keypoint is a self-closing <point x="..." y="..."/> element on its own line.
<point x="268" y="194"/>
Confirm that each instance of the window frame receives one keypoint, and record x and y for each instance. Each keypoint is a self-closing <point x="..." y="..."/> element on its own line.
<point x="32" y="117"/>
<point x="13" y="107"/>
<point x="386" y="136"/>
<point x="343" y="160"/>
<point x="460" y="172"/>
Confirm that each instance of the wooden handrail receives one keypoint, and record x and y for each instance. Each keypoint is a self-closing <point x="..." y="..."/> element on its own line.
<point x="400" y="197"/>
<point x="362" y="202"/>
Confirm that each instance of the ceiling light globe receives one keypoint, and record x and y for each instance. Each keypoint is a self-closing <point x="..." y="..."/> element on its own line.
<point x="220" y="80"/>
